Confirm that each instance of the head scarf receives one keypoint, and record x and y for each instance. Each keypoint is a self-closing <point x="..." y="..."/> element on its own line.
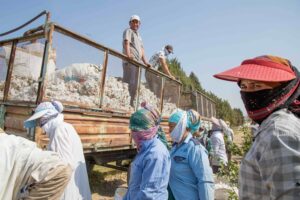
<point x="193" y="121"/>
<point x="45" y="111"/>
<point x="144" y="123"/>
<point x="216" y="124"/>
<point x="219" y="125"/>
<point x="179" y="117"/>
<point x="261" y="104"/>
<point x="184" y="119"/>
<point x="51" y="114"/>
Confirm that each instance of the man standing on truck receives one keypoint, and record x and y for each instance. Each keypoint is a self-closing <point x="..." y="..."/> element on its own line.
<point x="134" y="49"/>
<point x="159" y="61"/>
<point x="27" y="172"/>
<point x="64" y="140"/>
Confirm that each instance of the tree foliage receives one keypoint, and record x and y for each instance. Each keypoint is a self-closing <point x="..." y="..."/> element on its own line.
<point x="192" y="82"/>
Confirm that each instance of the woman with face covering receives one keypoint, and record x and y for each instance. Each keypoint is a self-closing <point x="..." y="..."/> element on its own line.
<point x="191" y="176"/>
<point x="218" y="153"/>
<point x="150" y="169"/>
<point x="64" y="140"/>
<point x="270" y="91"/>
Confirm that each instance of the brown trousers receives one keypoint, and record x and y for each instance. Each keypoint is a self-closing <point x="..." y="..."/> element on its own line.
<point x="53" y="186"/>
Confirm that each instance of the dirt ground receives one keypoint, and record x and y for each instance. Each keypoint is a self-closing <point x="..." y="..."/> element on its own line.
<point x="104" y="181"/>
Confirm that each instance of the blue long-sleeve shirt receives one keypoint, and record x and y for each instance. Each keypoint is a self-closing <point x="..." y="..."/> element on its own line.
<point x="191" y="176"/>
<point x="150" y="172"/>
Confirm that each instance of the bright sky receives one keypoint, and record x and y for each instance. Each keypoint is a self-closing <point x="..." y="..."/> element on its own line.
<point x="208" y="36"/>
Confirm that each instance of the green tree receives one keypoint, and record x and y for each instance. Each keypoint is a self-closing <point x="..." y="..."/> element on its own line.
<point x="195" y="81"/>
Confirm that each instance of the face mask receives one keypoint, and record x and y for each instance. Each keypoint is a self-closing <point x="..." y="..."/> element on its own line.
<point x="256" y="101"/>
<point x="167" y="52"/>
<point x="46" y="128"/>
<point x="136" y="141"/>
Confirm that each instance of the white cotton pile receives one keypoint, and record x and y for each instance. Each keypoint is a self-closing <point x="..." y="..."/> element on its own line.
<point x="23" y="89"/>
<point x="168" y="108"/>
<point x="80" y="83"/>
<point x="149" y="97"/>
<point x="116" y="94"/>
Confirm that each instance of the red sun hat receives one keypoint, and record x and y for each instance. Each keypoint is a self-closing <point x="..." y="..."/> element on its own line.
<point x="263" y="68"/>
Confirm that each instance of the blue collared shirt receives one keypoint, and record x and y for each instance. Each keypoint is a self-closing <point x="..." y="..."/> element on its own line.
<point x="150" y="172"/>
<point x="191" y="176"/>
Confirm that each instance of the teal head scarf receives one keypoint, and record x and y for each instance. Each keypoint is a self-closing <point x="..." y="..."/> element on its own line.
<point x="176" y="116"/>
<point x="193" y="121"/>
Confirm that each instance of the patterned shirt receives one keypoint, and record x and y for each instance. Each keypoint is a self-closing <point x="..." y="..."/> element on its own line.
<point x="154" y="60"/>
<point x="271" y="168"/>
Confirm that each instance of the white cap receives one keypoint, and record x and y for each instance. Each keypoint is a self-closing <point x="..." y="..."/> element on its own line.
<point x="135" y="17"/>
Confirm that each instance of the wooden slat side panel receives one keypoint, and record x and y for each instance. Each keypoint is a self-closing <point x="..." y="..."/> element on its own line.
<point x="100" y="132"/>
<point x="15" y="123"/>
<point x="82" y="117"/>
<point x="14" y="120"/>
<point x="104" y="141"/>
<point x="101" y="129"/>
<point x="19" y="110"/>
<point x="96" y="132"/>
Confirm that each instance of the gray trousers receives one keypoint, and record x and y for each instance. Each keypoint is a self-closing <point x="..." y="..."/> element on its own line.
<point x="130" y="76"/>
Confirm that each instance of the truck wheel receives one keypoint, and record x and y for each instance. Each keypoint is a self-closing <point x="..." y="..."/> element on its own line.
<point x="89" y="166"/>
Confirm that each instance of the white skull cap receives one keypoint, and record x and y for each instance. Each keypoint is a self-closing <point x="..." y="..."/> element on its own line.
<point x="135" y="17"/>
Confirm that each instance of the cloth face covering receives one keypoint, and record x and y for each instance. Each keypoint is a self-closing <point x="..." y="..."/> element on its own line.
<point x="261" y="104"/>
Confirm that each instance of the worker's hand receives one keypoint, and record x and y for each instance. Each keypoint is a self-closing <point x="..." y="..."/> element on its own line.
<point x="130" y="56"/>
<point x="148" y="65"/>
<point x="173" y="77"/>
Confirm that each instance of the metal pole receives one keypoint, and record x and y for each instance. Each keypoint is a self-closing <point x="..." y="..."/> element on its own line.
<point x="10" y="70"/>
<point x="162" y="94"/>
<point x="43" y="76"/>
<point x="103" y="77"/>
<point x="138" y="89"/>
<point x="2" y="116"/>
